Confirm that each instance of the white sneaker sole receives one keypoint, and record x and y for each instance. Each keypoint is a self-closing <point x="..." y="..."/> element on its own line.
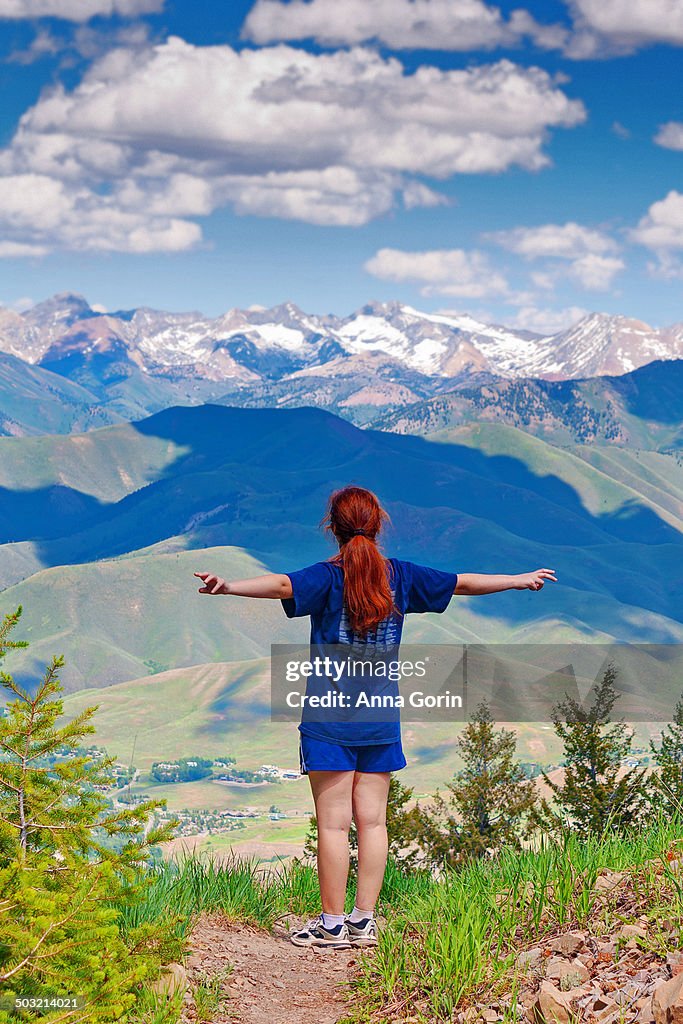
<point x="321" y="943"/>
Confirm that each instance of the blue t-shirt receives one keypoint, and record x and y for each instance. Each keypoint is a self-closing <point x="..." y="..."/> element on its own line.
<point x="318" y="591"/>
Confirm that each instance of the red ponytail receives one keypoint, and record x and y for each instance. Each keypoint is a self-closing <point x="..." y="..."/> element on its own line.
<point x="355" y="517"/>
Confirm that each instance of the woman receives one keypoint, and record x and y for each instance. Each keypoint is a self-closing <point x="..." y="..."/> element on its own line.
<point x="357" y="598"/>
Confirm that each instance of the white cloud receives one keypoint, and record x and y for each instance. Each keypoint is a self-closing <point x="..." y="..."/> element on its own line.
<point x="547" y="321"/>
<point x="544" y="279"/>
<point x="620" y="130"/>
<point x="596" y="273"/>
<point x="399" y="24"/>
<point x="332" y="139"/>
<point x="606" y="27"/>
<point x="600" y="28"/>
<point x="36" y="207"/>
<point x="77" y="10"/>
<point x="661" y="229"/>
<point x="565" y="241"/>
<point x="283" y="109"/>
<point x="670" y="135"/>
<point x="17" y="250"/>
<point x="43" y="44"/>
<point x="586" y="249"/>
<point x="414" y="194"/>
<point x="440" y="271"/>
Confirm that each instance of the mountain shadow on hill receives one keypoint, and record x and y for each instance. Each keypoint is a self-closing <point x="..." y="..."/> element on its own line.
<point x="259" y="479"/>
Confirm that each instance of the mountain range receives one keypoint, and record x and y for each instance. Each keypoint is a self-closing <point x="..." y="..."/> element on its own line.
<point x="142" y="437"/>
<point x="89" y="368"/>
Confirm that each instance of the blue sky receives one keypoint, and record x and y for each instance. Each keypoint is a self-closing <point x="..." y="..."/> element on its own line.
<point x="522" y="162"/>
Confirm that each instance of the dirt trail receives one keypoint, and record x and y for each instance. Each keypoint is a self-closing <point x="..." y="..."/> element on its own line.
<point x="267" y="980"/>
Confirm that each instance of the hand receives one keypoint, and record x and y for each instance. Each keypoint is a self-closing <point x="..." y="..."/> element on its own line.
<point x="535" y="580"/>
<point x="212" y="584"/>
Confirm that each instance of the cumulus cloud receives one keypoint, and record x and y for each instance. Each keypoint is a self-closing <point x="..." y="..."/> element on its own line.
<point x="35" y="207"/>
<point x="331" y="139"/>
<point x="561" y="240"/>
<point x="661" y="229"/>
<point x="587" y="250"/>
<point x="670" y="135"/>
<point x="77" y="10"/>
<point x="599" y="28"/>
<point x="547" y="321"/>
<point x="596" y="273"/>
<point x="399" y="24"/>
<point x="605" y="27"/>
<point x="454" y="272"/>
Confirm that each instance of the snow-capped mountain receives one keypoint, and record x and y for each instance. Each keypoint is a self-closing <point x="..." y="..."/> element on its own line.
<point x="259" y="347"/>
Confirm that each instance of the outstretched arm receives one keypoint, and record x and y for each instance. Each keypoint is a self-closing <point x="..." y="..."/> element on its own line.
<point x="274" y="585"/>
<point x="471" y="583"/>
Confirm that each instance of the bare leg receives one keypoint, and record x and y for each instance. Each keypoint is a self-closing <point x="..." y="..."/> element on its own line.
<point x="370" y="794"/>
<point x="332" y="793"/>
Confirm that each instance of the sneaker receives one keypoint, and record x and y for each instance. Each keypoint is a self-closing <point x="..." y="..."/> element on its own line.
<point x="362" y="933"/>
<point x="315" y="934"/>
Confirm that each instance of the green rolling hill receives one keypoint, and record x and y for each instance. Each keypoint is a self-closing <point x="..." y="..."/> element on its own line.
<point x="223" y="709"/>
<point x="100" y="532"/>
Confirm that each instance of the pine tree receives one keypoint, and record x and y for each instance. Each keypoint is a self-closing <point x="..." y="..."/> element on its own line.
<point x="67" y="862"/>
<point x="597" y="793"/>
<point x="487" y="805"/>
<point x="669" y="758"/>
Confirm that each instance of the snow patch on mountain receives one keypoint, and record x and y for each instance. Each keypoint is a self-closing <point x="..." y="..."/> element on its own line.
<point x="242" y="347"/>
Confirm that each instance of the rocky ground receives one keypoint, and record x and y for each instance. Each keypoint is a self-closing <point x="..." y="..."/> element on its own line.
<point x="242" y="975"/>
<point x="627" y="969"/>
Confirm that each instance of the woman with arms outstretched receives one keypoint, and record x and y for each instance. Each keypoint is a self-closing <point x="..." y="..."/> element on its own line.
<point x="357" y="598"/>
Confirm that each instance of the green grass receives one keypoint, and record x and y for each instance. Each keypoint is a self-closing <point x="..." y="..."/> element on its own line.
<point x="448" y="941"/>
<point x="462" y="935"/>
<point x="127" y="618"/>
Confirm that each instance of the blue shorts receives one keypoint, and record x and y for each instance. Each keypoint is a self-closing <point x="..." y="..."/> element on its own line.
<point x="323" y="756"/>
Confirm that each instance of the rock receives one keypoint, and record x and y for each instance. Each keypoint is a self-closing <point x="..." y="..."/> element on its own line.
<point x="609" y="880"/>
<point x="667" y="1001"/>
<point x="578" y="996"/>
<point x="568" y="973"/>
<point x="600" y="1003"/>
<point x="529" y="957"/>
<point x="646" y="1013"/>
<point x="568" y="944"/>
<point x="172" y="980"/>
<point x="553" y="967"/>
<point x="610" y="1013"/>
<point x="632" y="931"/>
<point x="552" y="1006"/>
